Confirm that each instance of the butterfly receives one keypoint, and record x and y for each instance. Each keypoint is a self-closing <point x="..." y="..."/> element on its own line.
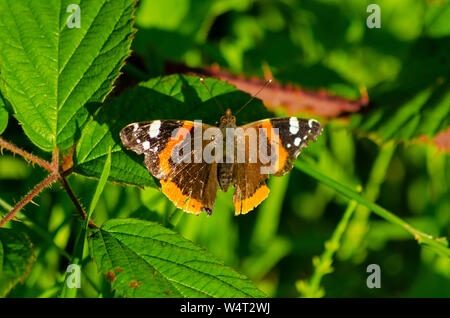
<point x="193" y="159"/>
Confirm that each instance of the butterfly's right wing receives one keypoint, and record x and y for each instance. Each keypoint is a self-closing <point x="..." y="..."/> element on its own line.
<point x="190" y="185"/>
<point x="284" y="138"/>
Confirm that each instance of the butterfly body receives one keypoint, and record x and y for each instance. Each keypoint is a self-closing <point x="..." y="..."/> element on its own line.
<point x="192" y="160"/>
<point x="225" y="169"/>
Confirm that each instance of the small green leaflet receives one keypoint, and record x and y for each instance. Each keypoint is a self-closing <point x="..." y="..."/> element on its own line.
<point x="101" y="185"/>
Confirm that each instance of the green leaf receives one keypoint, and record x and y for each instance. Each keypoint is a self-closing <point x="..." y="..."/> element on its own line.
<point x="16" y="257"/>
<point x="100" y="186"/>
<point x="4" y="116"/>
<point x="418" y="102"/>
<point x="144" y="259"/>
<point x="169" y="97"/>
<point x="51" y="72"/>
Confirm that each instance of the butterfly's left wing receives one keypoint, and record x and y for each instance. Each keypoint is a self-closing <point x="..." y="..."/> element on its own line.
<point x="284" y="137"/>
<point x="191" y="185"/>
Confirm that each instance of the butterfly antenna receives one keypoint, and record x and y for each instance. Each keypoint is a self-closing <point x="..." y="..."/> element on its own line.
<point x="266" y="84"/>
<point x="215" y="99"/>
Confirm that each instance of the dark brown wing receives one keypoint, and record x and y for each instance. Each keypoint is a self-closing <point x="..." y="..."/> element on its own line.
<point x="282" y="140"/>
<point x="169" y="148"/>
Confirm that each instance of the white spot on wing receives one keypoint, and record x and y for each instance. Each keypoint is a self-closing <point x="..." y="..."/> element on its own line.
<point x="288" y="145"/>
<point x="138" y="141"/>
<point x="135" y="127"/>
<point x="297" y="141"/>
<point x="154" y="129"/>
<point x="310" y="123"/>
<point x="293" y="125"/>
<point x="146" y="145"/>
<point x="159" y="175"/>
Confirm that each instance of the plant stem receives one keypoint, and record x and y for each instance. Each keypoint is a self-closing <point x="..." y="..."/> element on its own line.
<point x="56" y="174"/>
<point x="439" y="245"/>
<point x="359" y="225"/>
<point x="72" y="197"/>
<point x="322" y="264"/>
<point x="41" y="186"/>
<point x="76" y="202"/>
<point x="28" y="156"/>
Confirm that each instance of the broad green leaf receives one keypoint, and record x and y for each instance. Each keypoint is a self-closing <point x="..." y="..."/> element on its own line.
<point x="170" y="97"/>
<point x="418" y="102"/>
<point x="4" y="116"/>
<point x="51" y="71"/>
<point x="16" y="257"/>
<point x="144" y="259"/>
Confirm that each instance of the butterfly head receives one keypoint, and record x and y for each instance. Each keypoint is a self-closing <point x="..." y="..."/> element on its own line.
<point x="227" y="120"/>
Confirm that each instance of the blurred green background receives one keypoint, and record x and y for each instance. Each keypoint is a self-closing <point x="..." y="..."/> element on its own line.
<point x="315" y="44"/>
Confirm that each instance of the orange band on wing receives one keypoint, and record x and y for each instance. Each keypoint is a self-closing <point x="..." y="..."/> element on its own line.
<point x="251" y="202"/>
<point x="166" y="153"/>
<point x="275" y="140"/>
<point x="181" y="200"/>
